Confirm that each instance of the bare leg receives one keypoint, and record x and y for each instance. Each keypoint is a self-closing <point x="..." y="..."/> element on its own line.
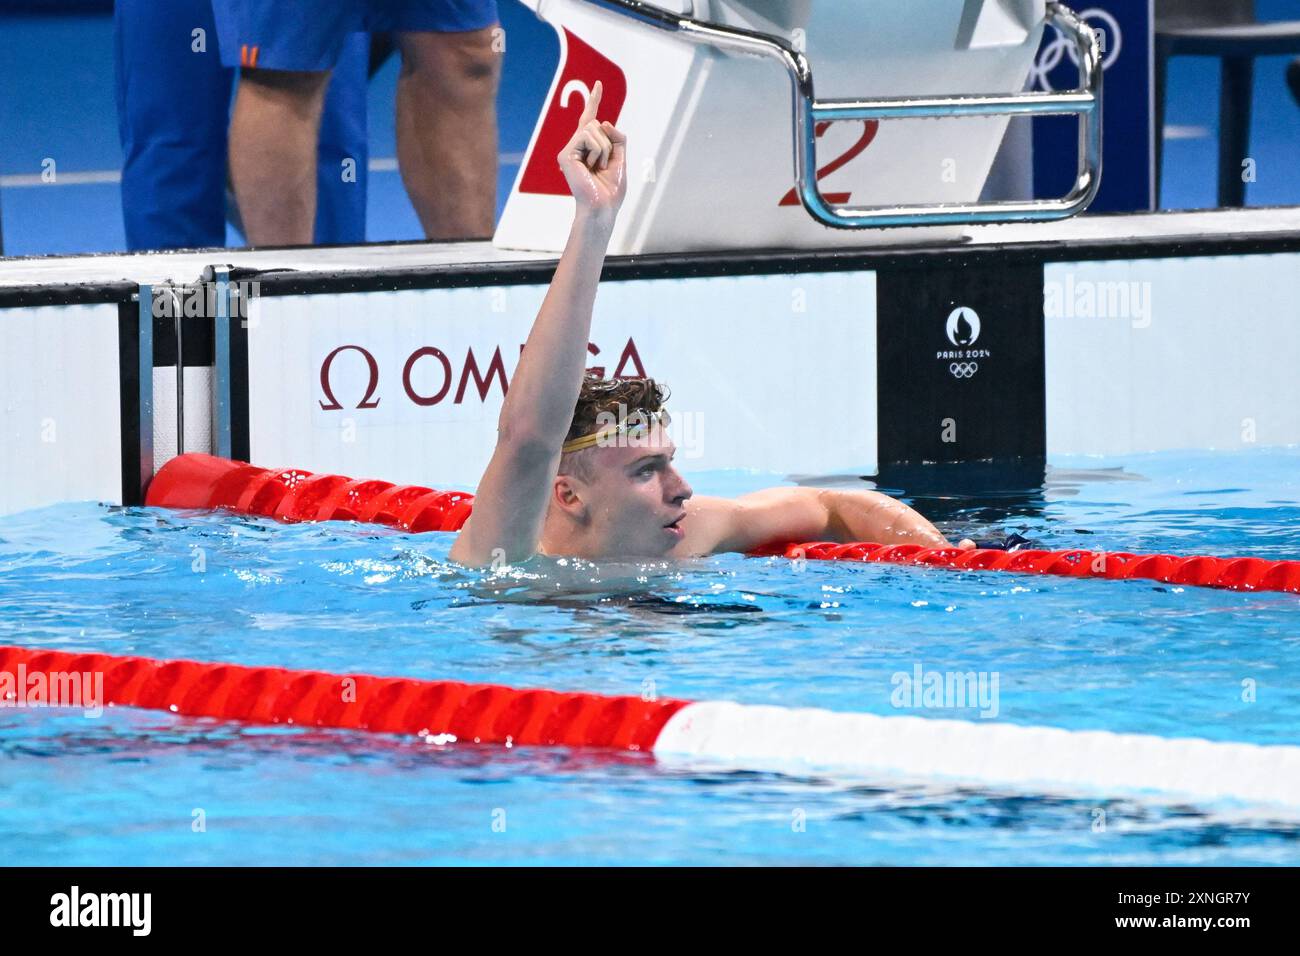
<point x="447" y="130"/>
<point x="273" y="143"/>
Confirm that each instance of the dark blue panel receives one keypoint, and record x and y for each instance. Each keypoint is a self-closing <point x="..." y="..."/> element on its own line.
<point x="1126" y="27"/>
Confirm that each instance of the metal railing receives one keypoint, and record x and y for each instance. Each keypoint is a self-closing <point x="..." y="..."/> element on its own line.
<point x="1085" y="101"/>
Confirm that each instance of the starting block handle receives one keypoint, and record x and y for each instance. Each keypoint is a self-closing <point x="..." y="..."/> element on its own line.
<point x="807" y="112"/>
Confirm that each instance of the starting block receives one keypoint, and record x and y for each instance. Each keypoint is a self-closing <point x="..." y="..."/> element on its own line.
<point x="729" y="149"/>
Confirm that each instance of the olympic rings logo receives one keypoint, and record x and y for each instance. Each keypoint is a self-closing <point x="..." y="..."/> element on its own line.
<point x="1050" y="56"/>
<point x="964" y="369"/>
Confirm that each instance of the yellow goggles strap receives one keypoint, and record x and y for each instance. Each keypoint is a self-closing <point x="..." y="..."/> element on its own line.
<point x="660" y="418"/>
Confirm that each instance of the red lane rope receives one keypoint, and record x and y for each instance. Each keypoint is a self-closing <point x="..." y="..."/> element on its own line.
<point x="479" y="713"/>
<point x="1043" y="759"/>
<point x="202" y="481"/>
<point x="290" y="494"/>
<point x="1238" y="574"/>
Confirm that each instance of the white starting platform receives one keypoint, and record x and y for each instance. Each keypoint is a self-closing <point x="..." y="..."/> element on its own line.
<point x="728" y="138"/>
<point x="809" y="321"/>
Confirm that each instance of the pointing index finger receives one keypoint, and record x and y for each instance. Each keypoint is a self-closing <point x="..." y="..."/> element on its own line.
<point x="593" y="104"/>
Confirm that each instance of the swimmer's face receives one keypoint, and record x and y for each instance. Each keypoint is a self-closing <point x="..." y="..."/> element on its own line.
<point x="633" y="503"/>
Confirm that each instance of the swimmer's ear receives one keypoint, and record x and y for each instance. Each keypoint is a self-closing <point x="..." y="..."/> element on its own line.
<point x="565" y="495"/>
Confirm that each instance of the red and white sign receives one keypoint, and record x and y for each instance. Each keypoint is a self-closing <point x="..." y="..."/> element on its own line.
<point x="583" y="66"/>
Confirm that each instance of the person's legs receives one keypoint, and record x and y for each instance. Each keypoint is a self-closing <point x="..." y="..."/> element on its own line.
<point x="273" y="135"/>
<point x="285" y="53"/>
<point x="446" y="114"/>
<point x="173" y="95"/>
<point x="447" y="131"/>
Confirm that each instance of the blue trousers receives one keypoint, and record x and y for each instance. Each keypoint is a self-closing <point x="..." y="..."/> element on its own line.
<point x="173" y="103"/>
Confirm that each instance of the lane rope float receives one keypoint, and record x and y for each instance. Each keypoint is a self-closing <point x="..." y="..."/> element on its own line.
<point x="734" y="735"/>
<point x="196" y="480"/>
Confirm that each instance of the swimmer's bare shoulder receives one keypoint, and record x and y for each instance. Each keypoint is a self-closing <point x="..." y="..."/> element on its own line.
<point x="718" y="525"/>
<point x="789" y="515"/>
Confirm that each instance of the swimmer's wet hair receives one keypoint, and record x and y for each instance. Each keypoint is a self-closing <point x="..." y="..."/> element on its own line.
<point x="615" y="396"/>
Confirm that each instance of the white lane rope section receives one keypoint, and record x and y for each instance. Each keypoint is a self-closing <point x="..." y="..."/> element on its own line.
<point x="1042" y="759"/>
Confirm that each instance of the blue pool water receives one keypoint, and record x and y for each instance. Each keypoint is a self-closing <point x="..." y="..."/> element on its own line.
<point x="127" y="788"/>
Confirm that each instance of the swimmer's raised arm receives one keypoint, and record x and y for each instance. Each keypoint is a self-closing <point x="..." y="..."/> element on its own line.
<point x="511" y="500"/>
<point x="806" y="514"/>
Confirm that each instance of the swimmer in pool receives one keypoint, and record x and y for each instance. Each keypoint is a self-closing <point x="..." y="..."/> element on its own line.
<point x="583" y="467"/>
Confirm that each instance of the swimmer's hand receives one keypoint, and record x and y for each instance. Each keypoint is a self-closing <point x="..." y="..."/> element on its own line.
<point x="966" y="544"/>
<point x="594" y="161"/>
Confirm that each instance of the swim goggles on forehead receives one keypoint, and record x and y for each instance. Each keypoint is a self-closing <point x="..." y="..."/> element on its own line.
<point x="636" y="424"/>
